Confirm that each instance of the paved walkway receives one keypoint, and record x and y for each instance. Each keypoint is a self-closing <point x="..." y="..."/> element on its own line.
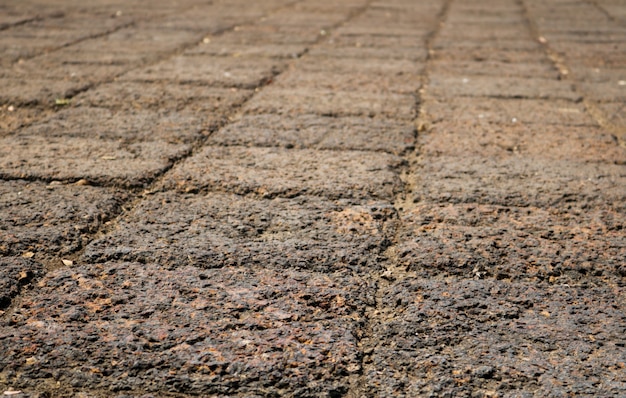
<point x="305" y="198"/>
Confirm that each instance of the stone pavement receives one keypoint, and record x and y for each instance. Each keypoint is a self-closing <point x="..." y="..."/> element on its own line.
<point x="301" y="198"/>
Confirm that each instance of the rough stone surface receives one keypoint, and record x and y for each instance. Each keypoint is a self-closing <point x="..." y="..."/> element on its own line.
<point x="368" y="82"/>
<point x="215" y="230"/>
<point x="519" y="181"/>
<point x="271" y="172"/>
<point x="312" y="198"/>
<point x="167" y="96"/>
<point x="493" y="338"/>
<point x="238" y="72"/>
<point x="326" y="102"/>
<point x="129" y="326"/>
<point x="501" y="141"/>
<point x="15" y="274"/>
<point x="42" y="221"/>
<point x="102" y="162"/>
<point x="447" y="86"/>
<point x="311" y="131"/>
<point x="514" y="243"/>
<point x="507" y="111"/>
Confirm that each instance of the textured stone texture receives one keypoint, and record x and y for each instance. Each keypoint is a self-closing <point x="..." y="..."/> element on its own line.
<point x="311" y="131"/>
<point x="211" y="231"/>
<point x="129" y="326"/>
<point x="54" y="220"/>
<point x="490" y="338"/>
<point x="271" y="172"/>
<point x="312" y="198"/>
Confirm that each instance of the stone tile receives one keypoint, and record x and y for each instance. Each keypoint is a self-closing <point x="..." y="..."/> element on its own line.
<point x="326" y="102"/>
<point x="371" y="134"/>
<point x="271" y="172"/>
<point x="506" y="111"/>
<point x="517" y="243"/>
<point x="216" y="230"/>
<point x="16" y="48"/>
<point x="350" y="65"/>
<point x="596" y="55"/>
<point x="61" y="66"/>
<point x="11" y="120"/>
<point x="447" y="86"/>
<point x="99" y="161"/>
<point x="484" y="31"/>
<point x="357" y="82"/>
<point x="614" y="112"/>
<point x="301" y="19"/>
<point x="267" y="35"/>
<point x="204" y="101"/>
<point x="364" y="27"/>
<point x="414" y="54"/>
<point x="544" y="70"/>
<point x="218" y="48"/>
<point x="519" y="181"/>
<point x="269" y="130"/>
<point x="311" y="131"/>
<point x="239" y="72"/>
<point x="367" y="41"/>
<point x="490" y="338"/>
<point x="584" y="144"/>
<point x="33" y="91"/>
<point x="591" y="75"/>
<point x="129" y="326"/>
<point x="122" y="125"/>
<point x="606" y="91"/>
<point x="52" y="220"/>
<point x="489" y="50"/>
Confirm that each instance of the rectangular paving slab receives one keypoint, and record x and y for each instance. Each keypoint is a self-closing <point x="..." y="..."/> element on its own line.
<point x="163" y="96"/>
<point x="129" y="125"/>
<point x="259" y="35"/>
<point x="355" y="81"/>
<point x="34" y="91"/>
<point x="56" y="66"/>
<point x="450" y="86"/>
<point x="141" y="327"/>
<point x="219" y="48"/>
<point x="312" y="131"/>
<point x="414" y="53"/>
<point x="327" y="102"/>
<point x="215" y="230"/>
<point x="492" y="338"/>
<point x="101" y="162"/>
<point x="11" y="120"/>
<point x="46" y="221"/>
<point x="271" y="172"/>
<point x="351" y="65"/>
<point x="241" y="72"/>
<point x="515" y="243"/>
<point x="519" y="181"/>
<point x="533" y="69"/>
<point x="490" y="50"/>
<point x="582" y="144"/>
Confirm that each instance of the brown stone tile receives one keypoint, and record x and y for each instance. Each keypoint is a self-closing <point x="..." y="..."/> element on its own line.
<point x="271" y="172"/>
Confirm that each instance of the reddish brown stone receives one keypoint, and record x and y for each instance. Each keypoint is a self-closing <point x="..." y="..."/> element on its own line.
<point x="271" y="172"/>
<point x="46" y="222"/>
<point x="129" y="326"/>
